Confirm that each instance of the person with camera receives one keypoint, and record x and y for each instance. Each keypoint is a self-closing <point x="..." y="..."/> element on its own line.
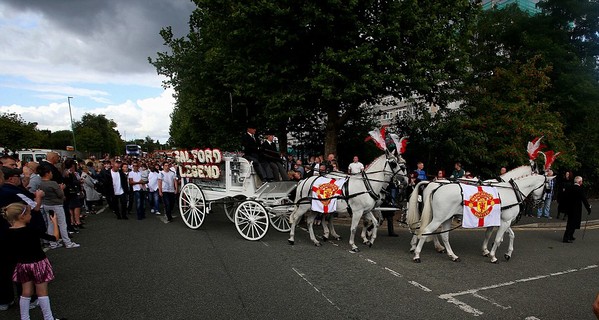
<point x="53" y="201"/>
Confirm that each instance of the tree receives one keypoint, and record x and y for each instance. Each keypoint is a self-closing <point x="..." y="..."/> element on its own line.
<point x="17" y="134"/>
<point x="275" y="61"/>
<point x="61" y="139"/>
<point x="96" y="133"/>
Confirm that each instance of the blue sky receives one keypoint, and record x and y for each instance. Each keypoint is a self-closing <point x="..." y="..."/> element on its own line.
<point x="93" y="51"/>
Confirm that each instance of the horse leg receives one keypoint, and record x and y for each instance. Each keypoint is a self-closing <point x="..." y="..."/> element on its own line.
<point x="425" y="234"/>
<point x="375" y="224"/>
<point x="333" y="233"/>
<point x="414" y="242"/>
<point x="488" y="234"/>
<point x="438" y="246"/>
<point x="364" y="232"/>
<point x="310" y="222"/>
<point x="446" y="226"/>
<point x="355" y="220"/>
<point x="295" y="218"/>
<point x="325" y="230"/>
<point x="510" y="249"/>
<point x="418" y="248"/>
<point x="498" y="239"/>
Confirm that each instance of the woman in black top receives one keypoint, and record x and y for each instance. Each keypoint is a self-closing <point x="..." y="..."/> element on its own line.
<point x="32" y="266"/>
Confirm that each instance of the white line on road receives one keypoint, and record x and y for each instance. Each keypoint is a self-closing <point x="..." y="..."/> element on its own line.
<point x="315" y="288"/>
<point x="531" y="318"/>
<point x="418" y="285"/>
<point x="371" y="261"/>
<point x="450" y="297"/>
<point x="393" y="272"/>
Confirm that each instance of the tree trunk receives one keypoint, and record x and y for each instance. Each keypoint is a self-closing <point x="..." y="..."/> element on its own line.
<point x="331" y="132"/>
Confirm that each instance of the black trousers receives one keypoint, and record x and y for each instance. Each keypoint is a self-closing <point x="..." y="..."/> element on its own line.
<point x="119" y="205"/>
<point x="569" y="234"/>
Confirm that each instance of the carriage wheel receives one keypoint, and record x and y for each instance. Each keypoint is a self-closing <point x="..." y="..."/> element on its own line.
<point x="251" y="220"/>
<point x="192" y="205"/>
<point x="280" y="221"/>
<point x="230" y="205"/>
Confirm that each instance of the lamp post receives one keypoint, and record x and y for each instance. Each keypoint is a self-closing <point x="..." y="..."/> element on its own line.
<point x="72" y="129"/>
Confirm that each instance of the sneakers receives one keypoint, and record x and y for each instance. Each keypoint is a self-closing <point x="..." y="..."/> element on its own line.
<point x="4" y="307"/>
<point x="55" y="245"/>
<point x="151" y="210"/>
<point x="72" y="245"/>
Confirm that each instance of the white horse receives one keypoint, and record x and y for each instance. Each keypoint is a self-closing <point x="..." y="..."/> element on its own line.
<point x="413" y="217"/>
<point x="441" y="204"/>
<point x="360" y="195"/>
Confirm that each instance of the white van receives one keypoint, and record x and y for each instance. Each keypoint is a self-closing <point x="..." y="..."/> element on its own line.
<point x="36" y="155"/>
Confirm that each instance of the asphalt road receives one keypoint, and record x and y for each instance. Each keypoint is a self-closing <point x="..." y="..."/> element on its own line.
<point x="129" y="269"/>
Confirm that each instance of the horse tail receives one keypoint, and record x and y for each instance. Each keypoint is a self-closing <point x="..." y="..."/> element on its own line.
<point x="413" y="215"/>
<point x="427" y="211"/>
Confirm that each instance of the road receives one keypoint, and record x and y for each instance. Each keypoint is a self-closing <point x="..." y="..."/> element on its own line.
<point x="129" y="269"/>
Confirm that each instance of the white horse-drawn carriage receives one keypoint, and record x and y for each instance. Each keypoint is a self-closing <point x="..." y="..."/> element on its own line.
<point x="209" y="177"/>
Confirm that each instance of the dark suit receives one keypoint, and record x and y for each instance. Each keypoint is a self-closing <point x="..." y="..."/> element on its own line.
<point x="251" y="151"/>
<point x="573" y="200"/>
<point x="118" y="203"/>
<point x="275" y="163"/>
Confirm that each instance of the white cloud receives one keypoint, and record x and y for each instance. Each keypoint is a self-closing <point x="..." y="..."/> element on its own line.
<point x="135" y="120"/>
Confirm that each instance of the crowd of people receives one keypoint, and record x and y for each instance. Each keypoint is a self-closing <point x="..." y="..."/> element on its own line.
<point x="45" y="204"/>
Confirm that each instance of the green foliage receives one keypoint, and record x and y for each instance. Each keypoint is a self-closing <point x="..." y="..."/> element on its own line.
<point x="97" y="134"/>
<point x="275" y="61"/>
<point x="60" y="139"/>
<point x="16" y="133"/>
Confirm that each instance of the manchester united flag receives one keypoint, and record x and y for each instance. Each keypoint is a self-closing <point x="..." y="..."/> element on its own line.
<point x="482" y="207"/>
<point x="325" y="192"/>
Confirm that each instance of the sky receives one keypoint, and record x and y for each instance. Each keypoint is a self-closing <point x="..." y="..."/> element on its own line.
<point x="95" y="51"/>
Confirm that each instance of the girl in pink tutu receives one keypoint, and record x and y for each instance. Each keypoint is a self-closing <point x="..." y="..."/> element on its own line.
<point x="32" y="266"/>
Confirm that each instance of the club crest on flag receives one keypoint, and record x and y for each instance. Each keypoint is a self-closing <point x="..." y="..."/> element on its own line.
<point x="482" y="207"/>
<point x="325" y="193"/>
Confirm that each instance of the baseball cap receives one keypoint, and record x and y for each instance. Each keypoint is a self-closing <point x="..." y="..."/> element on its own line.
<point x="10" y="172"/>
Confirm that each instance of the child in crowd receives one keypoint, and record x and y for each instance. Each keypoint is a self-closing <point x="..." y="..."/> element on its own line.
<point x="32" y="265"/>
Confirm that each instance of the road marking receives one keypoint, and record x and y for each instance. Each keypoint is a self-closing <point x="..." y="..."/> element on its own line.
<point x="450" y="297"/>
<point x="265" y="243"/>
<point x="102" y="210"/>
<point x="418" y="285"/>
<point x="531" y="318"/>
<point x="371" y="261"/>
<point x="393" y="272"/>
<point x="315" y="288"/>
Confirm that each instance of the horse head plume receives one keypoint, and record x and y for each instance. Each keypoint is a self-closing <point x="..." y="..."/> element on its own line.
<point x="400" y="144"/>
<point x="378" y="136"/>
<point x="550" y="157"/>
<point x="534" y="147"/>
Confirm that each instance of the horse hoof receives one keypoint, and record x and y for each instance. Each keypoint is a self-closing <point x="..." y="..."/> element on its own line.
<point x="495" y="262"/>
<point x="365" y="242"/>
<point x="291" y="242"/>
<point x="485" y="254"/>
<point x="442" y="251"/>
<point x="338" y="238"/>
<point x="369" y="244"/>
<point x="325" y="239"/>
<point x="412" y="250"/>
<point x="355" y="250"/>
<point x="417" y="260"/>
<point x="507" y="257"/>
<point x="456" y="260"/>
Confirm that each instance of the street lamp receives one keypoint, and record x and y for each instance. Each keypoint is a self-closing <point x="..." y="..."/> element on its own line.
<point x="72" y="129"/>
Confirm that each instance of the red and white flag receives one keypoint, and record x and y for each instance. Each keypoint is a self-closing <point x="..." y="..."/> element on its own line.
<point x="482" y="207"/>
<point x="325" y="192"/>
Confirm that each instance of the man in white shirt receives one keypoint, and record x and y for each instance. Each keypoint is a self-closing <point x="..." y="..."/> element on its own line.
<point x="167" y="188"/>
<point x="138" y="186"/>
<point x="356" y="166"/>
<point x="119" y="183"/>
